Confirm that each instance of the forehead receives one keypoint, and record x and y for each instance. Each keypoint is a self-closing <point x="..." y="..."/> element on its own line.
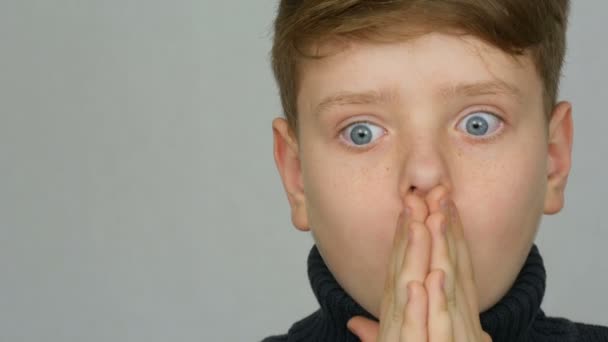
<point x="432" y="65"/>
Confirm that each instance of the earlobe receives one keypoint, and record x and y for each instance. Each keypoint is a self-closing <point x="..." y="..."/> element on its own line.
<point x="286" y="157"/>
<point x="559" y="157"/>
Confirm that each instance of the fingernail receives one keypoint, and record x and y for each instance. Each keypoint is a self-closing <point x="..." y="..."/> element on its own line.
<point x="442" y="280"/>
<point x="408" y="212"/>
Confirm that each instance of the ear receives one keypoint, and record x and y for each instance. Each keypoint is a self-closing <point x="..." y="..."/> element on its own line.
<point x="559" y="157"/>
<point x="286" y="157"/>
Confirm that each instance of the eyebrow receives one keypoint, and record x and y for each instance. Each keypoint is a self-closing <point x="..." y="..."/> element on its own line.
<point x="493" y="87"/>
<point x="355" y="98"/>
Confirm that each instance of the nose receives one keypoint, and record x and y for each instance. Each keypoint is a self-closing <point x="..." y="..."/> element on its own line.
<point x="424" y="167"/>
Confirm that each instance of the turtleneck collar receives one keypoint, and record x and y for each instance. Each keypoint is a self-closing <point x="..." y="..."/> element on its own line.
<point x="510" y="319"/>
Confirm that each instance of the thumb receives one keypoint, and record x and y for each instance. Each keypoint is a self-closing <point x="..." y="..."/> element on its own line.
<point x="365" y="329"/>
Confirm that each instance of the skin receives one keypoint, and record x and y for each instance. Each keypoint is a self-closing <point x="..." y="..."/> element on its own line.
<point x="351" y="197"/>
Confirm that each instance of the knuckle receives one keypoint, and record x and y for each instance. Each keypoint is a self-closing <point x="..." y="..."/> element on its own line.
<point x="402" y="284"/>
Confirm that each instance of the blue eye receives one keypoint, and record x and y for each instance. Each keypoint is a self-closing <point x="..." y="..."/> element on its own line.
<point x="361" y="133"/>
<point x="480" y="123"/>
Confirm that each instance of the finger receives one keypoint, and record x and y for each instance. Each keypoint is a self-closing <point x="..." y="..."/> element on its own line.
<point x="417" y="212"/>
<point x="398" y="248"/>
<point x="463" y="320"/>
<point x="437" y="201"/>
<point x="416" y="311"/>
<point x="416" y="262"/>
<point x="441" y="255"/>
<point x="365" y="329"/>
<point x="459" y="289"/>
<point x="458" y="326"/>
<point x="391" y="316"/>
<point x="439" y="320"/>
<point x="465" y="265"/>
<point x="395" y="297"/>
<point x="411" y="241"/>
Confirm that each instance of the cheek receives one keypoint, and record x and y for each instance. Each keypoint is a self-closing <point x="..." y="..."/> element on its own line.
<point x="352" y="212"/>
<point x="350" y="202"/>
<point x="500" y="217"/>
<point x="505" y="203"/>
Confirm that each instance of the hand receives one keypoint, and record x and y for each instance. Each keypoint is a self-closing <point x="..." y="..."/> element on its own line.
<point x="415" y="306"/>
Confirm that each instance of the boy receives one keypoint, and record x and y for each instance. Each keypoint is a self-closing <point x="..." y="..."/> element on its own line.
<point x="422" y="144"/>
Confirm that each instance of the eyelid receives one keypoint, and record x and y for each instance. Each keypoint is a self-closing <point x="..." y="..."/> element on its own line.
<point x="365" y="118"/>
<point x="484" y="109"/>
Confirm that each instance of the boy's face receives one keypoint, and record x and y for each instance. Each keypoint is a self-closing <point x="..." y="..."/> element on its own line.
<point x="436" y="110"/>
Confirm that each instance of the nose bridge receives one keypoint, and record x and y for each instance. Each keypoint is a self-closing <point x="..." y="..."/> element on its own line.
<point x="424" y="163"/>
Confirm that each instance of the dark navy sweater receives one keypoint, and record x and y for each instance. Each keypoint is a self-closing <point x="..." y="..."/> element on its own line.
<point x="516" y="317"/>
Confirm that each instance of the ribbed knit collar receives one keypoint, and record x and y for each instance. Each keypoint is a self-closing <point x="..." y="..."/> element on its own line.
<point x="509" y="320"/>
